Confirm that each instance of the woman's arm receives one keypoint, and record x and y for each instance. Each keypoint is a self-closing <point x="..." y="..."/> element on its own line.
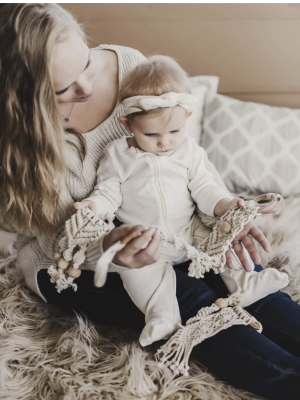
<point x="107" y="195"/>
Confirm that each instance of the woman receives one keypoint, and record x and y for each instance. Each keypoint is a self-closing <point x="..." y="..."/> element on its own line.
<point x="59" y="109"/>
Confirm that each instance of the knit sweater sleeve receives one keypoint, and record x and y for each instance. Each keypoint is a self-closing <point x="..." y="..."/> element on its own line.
<point x="107" y="193"/>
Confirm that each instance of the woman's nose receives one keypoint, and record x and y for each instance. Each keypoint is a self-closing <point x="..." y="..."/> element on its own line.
<point x="84" y="86"/>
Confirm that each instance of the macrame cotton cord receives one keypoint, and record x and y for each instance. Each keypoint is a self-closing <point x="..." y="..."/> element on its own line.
<point x="84" y="227"/>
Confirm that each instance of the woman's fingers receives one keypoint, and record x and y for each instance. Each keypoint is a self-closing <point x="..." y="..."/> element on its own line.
<point x="143" y="250"/>
<point x="118" y="234"/>
<point x="229" y="259"/>
<point x="239" y="251"/>
<point x="249" y="246"/>
<point x="140" y="242"/>
<point x="152" y="252"/>
<point x="257" y="234"/>
<point x="136" y="254"/>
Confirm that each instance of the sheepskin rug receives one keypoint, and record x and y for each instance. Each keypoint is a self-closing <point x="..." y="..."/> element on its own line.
<point x="47" y="354"/>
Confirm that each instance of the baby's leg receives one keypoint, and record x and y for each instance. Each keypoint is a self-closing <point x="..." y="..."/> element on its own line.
<point x="153" y="289"/>
<point x="253" y="285"/>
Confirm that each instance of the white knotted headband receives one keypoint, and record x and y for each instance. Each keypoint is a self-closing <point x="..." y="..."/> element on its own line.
<point x="144" y="103"/>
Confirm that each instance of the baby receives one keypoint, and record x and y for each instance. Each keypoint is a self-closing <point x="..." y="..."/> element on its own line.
<point x="157" y="176"/>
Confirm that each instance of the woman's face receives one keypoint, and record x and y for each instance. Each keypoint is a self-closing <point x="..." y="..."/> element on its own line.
<point x="72" y="69"/>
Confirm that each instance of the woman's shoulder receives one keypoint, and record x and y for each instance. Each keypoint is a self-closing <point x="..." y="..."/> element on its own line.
<point x="127" y="57"/>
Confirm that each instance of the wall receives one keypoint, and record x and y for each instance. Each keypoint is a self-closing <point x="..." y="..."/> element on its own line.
<point x="253" y="48"/>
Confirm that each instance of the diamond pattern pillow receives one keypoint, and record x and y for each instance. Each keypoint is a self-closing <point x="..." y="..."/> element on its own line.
<point x="204" y="87"/>
<point x="255" y="147"/>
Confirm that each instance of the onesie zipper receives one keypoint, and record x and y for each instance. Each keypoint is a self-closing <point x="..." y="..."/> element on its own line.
<point x="160" y="189"/>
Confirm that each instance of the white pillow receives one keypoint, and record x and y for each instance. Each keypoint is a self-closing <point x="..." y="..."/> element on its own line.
<point x="255" y="147"/>
<point x="204" y="88"/>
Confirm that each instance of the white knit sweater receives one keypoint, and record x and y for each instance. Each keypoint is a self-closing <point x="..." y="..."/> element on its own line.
<point x="36" y="252"/>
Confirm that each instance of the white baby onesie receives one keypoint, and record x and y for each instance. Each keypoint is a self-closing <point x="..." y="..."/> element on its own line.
<point x="144" y="189"/>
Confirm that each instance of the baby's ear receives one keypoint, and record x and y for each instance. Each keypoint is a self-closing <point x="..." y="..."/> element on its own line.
<point x="189" y="113"/>
<point x="125" y="122"/>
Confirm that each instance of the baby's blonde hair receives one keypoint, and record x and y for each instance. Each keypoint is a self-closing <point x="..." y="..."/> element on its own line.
<point x="154" y="77"/>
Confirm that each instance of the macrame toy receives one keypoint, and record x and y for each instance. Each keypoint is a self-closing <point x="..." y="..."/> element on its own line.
<point x="207" y="323"/>
<point x="84" y="227"/>
<point x="211" y="252"/>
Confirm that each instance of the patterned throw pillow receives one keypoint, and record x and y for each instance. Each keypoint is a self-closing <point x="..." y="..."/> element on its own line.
<point x="204" y="88"/>
<point x="255" y="147"/>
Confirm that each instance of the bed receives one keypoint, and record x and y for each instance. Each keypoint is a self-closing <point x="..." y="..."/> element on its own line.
<point x="244" y="67"/>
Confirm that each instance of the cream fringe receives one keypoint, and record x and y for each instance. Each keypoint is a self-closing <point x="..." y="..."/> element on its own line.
<point x="84" y="227"/>
<point x="207" y="323"/>
<point x="47" y="354"/>
<point x="217" y="243"/>
<point x="211" y="252"/>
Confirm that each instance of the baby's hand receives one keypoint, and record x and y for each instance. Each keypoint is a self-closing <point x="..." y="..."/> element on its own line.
<point x="236" y="202"/>
<point x="225" y="204"/>
<point x="85" y="203"/>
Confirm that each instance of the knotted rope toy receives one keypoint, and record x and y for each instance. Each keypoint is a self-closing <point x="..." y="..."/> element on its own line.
<point x="224" y="312"/>
<point x="84" y="227"/>
<point x="207" y="323"/>
<point x="211" y="252"/>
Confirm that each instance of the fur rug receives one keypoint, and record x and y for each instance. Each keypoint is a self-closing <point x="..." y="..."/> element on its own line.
<point x="283" y="233"/>
<point x="46" y="354"/>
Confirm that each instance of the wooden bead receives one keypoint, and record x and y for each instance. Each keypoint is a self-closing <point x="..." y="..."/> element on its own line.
<point x="62" y="263"/>
<point x="221" y="303"/>
<point x="256" y="324"/>
<point x="56" y="256"/>
<point x="226" y="227"/>
<point x="74" y="272"/>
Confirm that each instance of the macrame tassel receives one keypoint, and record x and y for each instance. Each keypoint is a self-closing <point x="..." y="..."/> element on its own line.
<point x="207" y="323"/>
<point x="83" y="228"/>
<point x="225" y="230"/>
<point x="60" y="279"/>
<point x="200" y="261"/>
<point x="79" y="256"/>
<point x="103" y="263"/>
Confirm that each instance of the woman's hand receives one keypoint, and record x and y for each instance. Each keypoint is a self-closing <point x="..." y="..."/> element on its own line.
<point x="133" y="255"/>
<point x="247" y="242"/>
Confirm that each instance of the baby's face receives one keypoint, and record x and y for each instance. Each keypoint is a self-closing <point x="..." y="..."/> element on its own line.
<point x="160" y="134"/>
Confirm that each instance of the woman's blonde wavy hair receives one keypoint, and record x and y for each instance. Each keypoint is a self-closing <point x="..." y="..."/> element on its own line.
<point x="32" y="171"/>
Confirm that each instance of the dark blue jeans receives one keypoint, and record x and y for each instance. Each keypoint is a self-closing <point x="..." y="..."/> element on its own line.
<point x="266" y="364"/>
